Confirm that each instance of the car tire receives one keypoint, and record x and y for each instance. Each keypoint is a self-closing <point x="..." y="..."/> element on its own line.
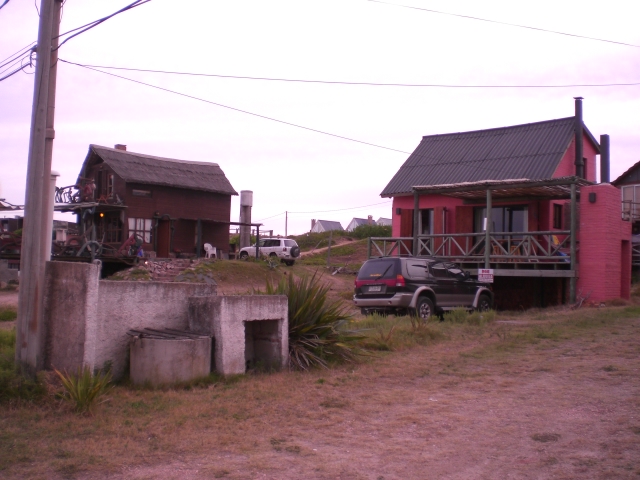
<point x="273" y="254"/>
<point x="295" y="252"/>
<point x="484" y="303"/>
<point x="289" y="263"/>
<point x="244" y="255"/>
<point x="424" y="309"/>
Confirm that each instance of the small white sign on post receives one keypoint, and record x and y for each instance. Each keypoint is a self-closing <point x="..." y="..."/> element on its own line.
<point x="485" y="275"/>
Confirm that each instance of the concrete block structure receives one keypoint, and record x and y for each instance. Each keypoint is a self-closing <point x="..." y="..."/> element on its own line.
<point x="605" y="245"/>
<point x="249" y="330"/>
<point x="87" y="320"/>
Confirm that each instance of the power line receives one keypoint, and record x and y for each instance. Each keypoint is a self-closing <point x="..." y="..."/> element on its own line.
<point x="272" y="216"/>
<point x="340" y="82"/>
<point x="95" y="23"/>
<point x="5" y="2"/>
<point x="508" y="24"/>
<point x="237" y="109"/>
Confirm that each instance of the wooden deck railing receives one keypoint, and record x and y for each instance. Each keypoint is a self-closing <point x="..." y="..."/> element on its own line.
<point x="530" y="247"/>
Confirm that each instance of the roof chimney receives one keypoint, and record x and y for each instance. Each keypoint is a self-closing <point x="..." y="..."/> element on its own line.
<point x="579" y="162"/>
<point x="370" y="220"/>
<point x="119" y="146"/>
<point x="313" y="223"/>
<point x="605" y="159"/>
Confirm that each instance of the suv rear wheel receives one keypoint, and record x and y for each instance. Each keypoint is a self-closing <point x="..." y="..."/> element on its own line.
<point x="424" y="308"/>
<point x="484" y="303"/>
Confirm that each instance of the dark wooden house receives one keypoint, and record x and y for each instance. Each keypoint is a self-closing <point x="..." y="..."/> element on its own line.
<point x="173" y="206"/>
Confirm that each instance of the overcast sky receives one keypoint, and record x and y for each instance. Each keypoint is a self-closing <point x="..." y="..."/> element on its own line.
<point x="309" y="174"/>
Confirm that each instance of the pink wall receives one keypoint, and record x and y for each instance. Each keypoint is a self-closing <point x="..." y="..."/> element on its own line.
<point x="567" y="167"/>
<point x="426" y="201"/>
<point x="604" y="249"/>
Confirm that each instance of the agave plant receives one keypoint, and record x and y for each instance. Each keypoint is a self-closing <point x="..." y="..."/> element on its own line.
<point x="317" y="327"/>
<point x="84" y="388"/>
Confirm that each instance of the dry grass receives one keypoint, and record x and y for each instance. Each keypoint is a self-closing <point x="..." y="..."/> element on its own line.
<point x="549" y="394"/>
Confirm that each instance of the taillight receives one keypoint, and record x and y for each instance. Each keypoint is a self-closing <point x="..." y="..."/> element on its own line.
<point x="400" y="281"/>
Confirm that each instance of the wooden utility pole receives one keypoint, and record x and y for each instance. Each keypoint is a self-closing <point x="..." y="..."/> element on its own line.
<point x="35" y="246"/>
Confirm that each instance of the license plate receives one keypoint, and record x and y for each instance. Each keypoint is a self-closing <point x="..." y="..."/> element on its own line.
<point x="375" y="288"/>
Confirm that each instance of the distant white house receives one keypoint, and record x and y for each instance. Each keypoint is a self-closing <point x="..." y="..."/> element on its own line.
<point x="356" y="222"/>
<point x="319" y="226"/>
<point x="384" y="222"/>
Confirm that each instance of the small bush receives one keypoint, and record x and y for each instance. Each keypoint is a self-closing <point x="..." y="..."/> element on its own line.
<point x="84" y="388"/>
<point x="317" y="327"/>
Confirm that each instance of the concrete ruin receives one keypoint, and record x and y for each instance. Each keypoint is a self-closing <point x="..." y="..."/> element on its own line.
<point x="87" y="320"/>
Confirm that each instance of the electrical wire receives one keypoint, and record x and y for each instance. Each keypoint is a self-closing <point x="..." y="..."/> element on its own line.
<point x="469" y="17"/>
<point x="236" y="109"/>
<point x="373" y="84"/>
<point x="272" y="216"/>
<point x="20" y="53"/>
<point x="95" y="23"/>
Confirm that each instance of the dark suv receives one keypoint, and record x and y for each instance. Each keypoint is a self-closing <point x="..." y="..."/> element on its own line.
<point x="421" y="286"/>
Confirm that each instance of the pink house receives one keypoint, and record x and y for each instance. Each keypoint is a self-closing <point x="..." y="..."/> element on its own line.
<point x="553" y="235"/>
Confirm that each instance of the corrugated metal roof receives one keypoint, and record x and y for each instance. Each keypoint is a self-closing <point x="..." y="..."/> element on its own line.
<point x="531" y="151"/>
<point x="147" y="169"/>
<point x="326" y="225"/>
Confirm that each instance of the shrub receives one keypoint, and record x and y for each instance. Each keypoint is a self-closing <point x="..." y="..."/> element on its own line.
<point x="317" y="328"/>
<point x="84" y="388"/>
<point x="366" y="231"/>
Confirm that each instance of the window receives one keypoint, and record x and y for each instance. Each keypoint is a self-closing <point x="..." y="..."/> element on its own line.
<point x="110" y="227"/>
<point x="438" y="270"/>
<point x="141" y="193"/>
<point x="426" y="221"/>
<point x="417" y="269"/>
<point x="503" y="219"/>
<point x="630" y="202"/>
<point x="110" y="182"/>
<point x="557" y="216"/>
<point x="141" y="227"/>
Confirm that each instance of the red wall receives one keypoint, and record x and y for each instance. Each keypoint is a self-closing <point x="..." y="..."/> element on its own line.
<point x="604" y="248"/>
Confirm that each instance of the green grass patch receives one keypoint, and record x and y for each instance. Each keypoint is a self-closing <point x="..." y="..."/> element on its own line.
<point x="13" y="386"/>
<point x="8" y="314"/>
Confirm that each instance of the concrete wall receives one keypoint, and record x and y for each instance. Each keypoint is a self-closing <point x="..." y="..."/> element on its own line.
<point x="163" y="361"/>
<point x="87" y="319"/>
<point x="225" y="317"/>
<point x="7" y="274"/>
<point x="604" y="251"/>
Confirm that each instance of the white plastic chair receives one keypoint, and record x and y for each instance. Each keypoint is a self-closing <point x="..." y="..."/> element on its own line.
<point x="210" y="251"/>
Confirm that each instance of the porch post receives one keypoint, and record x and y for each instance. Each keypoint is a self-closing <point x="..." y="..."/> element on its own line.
<point x="198" y="237"/>
<point x="487" y="233"/>
<point x="574" y="226"/>
<point x="416" y="221"/>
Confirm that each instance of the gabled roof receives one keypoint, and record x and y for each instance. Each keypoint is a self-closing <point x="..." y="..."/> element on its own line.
<point x="384" y="221"/>
<point x="532" y="150"/>
<point x="326" y="225"/>
<point x="147" y="169"/>
<point x="631" y="176"/>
